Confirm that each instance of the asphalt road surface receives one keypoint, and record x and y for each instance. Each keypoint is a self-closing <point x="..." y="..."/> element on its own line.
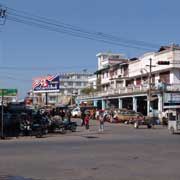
<point x="121" y="152"/>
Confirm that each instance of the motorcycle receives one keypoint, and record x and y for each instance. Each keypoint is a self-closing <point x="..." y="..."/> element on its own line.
<point x="57" y="126"/>
<point x="37" y="127"/>
<point x="69" y="125"/>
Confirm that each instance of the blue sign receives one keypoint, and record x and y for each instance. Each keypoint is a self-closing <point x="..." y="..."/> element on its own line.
<point x="47" y="83"/>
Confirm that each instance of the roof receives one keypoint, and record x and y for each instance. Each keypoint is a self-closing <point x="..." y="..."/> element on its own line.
<point x="108" y="54"/>
<point x="126" y="62"/>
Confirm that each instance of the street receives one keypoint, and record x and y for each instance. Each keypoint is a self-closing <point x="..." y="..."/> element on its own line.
<point x="120" y="152"/>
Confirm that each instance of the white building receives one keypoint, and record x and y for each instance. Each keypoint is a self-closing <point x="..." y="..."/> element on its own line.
<point x="92" y="81"/>
<point x="105" y="59"/>
<point x="73" y="83"/>
<point x="70" y="85"/>
<point x="126" y="83"/>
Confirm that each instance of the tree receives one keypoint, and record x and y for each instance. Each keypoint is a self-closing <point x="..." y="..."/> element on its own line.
<point x="88" y="90"/>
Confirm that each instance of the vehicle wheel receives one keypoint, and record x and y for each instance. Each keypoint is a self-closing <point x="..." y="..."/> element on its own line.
<point x="172" y="130"/>
<point x="73" y="129"/>
<point x="136" y="125"/>
<point x="46" y="131"/>
<point x="39" y="135"/>
<point x="149" y="126"/>
<point x="55" y="130"/>
<point x="62" y="130"/>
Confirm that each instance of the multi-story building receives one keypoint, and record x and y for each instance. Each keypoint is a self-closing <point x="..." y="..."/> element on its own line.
<point x="61" y="92"/>
<point x="134" y="85"/>
<point x="92" y="81"/>
<point x="73" y="83"/>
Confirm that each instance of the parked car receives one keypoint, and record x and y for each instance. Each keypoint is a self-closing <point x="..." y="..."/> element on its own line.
<point x="147" y="121"/>
<point x="124" y="115"/>
<point x="127" y="116"/>
<point x="76" y="112"/>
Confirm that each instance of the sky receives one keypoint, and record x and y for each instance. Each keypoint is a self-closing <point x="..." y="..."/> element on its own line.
<point x="27" y="52"/>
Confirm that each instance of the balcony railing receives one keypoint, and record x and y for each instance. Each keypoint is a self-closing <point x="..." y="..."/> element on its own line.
<point x="131" y="90"/>
<point x="74" y="80"/>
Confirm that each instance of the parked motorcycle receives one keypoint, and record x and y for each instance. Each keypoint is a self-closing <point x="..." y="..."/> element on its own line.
<point x="69" y="125"/>
<point x="57" y="126"/>
<point x="37" y="127"/>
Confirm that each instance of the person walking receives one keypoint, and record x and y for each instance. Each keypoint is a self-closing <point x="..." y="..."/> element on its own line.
<point x="102" y="117"/>
<point x="68" y="115"/>
<point x="86" y="121"/>
<point x="83" y="115"/>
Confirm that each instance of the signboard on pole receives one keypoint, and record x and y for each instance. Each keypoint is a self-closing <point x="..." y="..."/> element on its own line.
<point x="8" y="92"/>
<point x="46" y="84"/>
<point x="171" y="100"/>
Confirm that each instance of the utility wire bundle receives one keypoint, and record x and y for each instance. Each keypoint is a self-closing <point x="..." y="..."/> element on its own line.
<point x="68" y="29"/>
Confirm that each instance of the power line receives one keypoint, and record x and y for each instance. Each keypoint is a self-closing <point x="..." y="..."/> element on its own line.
<point x="74" y="28"/>
<point x="72" y="33"/>
<point x="14" y="78"/>
<point x="27" y="68"/>
<point x="53" y="25"/>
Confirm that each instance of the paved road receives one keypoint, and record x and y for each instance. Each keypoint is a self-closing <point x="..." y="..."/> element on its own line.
<point x="121" y="152"/>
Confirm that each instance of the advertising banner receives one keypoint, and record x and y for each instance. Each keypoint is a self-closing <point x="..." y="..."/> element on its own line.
<point x="48" y="83"/>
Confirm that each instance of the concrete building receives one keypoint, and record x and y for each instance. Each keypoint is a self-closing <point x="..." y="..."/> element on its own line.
<point x="92" y="81"/>
<point x="73" y="83"/>
<point x="69" y="86"/>
<point x="126" y="84"/>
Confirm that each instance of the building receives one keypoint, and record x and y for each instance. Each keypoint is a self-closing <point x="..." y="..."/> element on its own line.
<point x="58" y="89"/>
<point x="73" y="83"/>
<point x="129" y="84"/>
<point x="92" y="82"/>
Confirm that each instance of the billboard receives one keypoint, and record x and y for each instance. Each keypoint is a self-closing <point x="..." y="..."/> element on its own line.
<point x="48" y="83"/>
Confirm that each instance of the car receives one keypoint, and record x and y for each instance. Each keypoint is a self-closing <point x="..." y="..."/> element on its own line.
<point x="149" y="122"/>
<point x="76" y="112"/>
<point x="123" y="115"/>
<point x="128" y="116"/>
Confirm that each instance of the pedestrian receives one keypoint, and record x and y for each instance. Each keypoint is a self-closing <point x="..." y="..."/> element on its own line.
<point x="83" y="115"/>
<point x="86" y="121"/>
<point x="68" y="115"/>
<point x="62" y="114"/>
<point x="102" y="117"/>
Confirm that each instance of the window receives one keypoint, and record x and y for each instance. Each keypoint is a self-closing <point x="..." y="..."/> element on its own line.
<point x="78" y="84"/>
<point x="165" y="77"/>
<point x="52" y="98"/>
<point x="70" y="83"/>
<point x="78" y="77"/>
<point x="138" y="81"/>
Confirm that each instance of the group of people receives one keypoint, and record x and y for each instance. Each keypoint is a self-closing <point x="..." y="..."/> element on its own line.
<point x="101" y="117"/>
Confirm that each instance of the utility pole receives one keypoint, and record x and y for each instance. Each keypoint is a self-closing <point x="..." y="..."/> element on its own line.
<point x="150" y="85"/>
<point x="2" y="15"/>
<point x="149" y="92"/>
<point x="2" y="114"/>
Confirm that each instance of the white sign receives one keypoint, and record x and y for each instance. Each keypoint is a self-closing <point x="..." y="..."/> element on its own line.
<point x="171" y="97"/>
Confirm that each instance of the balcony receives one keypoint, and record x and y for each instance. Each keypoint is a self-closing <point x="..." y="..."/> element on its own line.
<point x="131" y="90"/>
<point x="73" y="80"/>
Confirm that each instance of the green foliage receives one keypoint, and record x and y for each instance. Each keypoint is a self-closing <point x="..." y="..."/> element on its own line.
<point x="88" y="90"/>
